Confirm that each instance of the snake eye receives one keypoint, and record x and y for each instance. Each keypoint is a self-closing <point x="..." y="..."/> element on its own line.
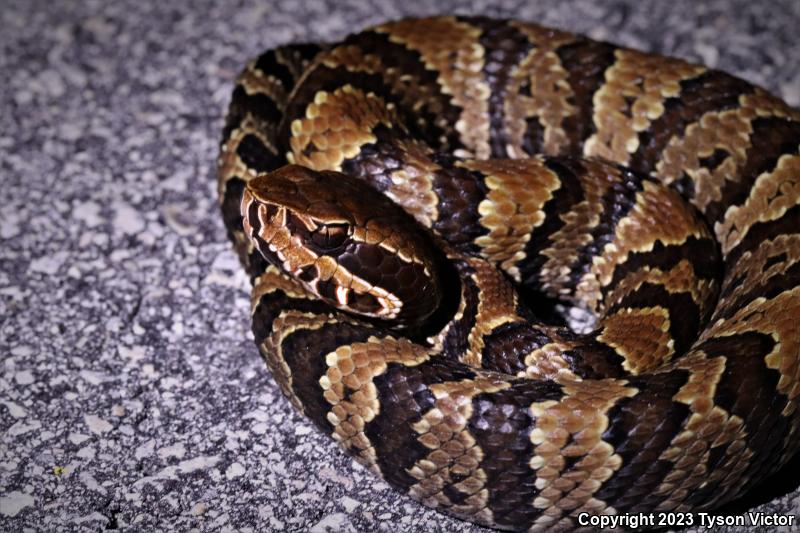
<point x="330" y="236"/>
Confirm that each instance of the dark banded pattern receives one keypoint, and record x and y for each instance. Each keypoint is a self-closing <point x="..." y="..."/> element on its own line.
<point x="413" y="202"/>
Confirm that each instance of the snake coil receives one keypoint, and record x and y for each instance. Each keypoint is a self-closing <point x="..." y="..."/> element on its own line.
<point x="410" y="203"/>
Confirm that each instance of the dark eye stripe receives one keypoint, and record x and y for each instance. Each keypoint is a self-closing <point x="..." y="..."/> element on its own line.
<point x="327" y="289"/>
<point x="308" y="273"/>
<point x="298" y="225"/>
<point x="330" y="236"/>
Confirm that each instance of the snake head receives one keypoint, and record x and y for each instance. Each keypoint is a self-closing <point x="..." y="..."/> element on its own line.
<point x="346" y="243"/>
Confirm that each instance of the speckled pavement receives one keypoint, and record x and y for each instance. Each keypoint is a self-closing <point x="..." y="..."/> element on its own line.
<point x="131" y="395"/>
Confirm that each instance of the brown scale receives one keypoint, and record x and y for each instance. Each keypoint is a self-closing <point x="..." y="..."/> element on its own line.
<point x="657" y="210"/>
<point x="497" y="305"/>
<point x="678" y="279"/>
<point x="450" y="475"/>
<point x="336" y="125"/>
<point x="585" y="63"/>
<point x="518" y="190"/>
<point x="720" y="131"/>
<point x="635" y="416"/>
<point x="349" y="389"/>
<point x="642" y="335"/>
<point x="776" y="317"/>
<point x="771" y="196"/>
<point x="450" y="48"/>
<point x="578" y="222"/>
<point x="708" y="428"/>
<point x="396" y="73"/>
<point x="636" y="87"/>
<point x="570" y="458"/>
<point x="538" y="90"/>
<point x="548" y="361"/>
<point x="504" y="47"/>
<point x="759" y="268"/>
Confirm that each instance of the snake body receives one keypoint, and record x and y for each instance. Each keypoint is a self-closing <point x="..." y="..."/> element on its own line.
<point x="409" y="199"/>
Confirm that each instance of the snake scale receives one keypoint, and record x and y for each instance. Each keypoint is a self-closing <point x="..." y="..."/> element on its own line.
<point x="420" y="206"/>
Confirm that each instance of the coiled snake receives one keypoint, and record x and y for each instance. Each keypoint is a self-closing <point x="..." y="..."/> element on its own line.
<point x="411" y="202"/>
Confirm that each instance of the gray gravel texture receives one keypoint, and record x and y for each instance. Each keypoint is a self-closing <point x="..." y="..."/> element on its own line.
<point x="131" y="395"/>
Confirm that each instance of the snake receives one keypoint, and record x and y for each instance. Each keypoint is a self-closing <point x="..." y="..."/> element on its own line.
<point x="522" y="275"/>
